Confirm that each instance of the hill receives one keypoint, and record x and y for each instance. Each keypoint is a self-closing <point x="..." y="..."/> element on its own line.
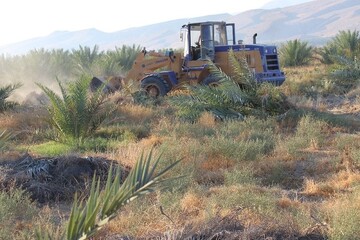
<point x="315" y="21"/>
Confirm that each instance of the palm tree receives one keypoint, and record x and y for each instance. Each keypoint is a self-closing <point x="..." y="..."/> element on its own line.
<point x="86" y="58"/>
<point x="124" y="57"/>
<point x="61" y="62"/>
<point x="327" y="53"/>
<point x="295" y="53"/>
<point x="5" y="93"/>
<point x="348" y="43"/>
<point x="78" y="113"/>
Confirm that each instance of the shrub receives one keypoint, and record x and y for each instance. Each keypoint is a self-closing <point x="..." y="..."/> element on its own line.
<point x="16" y="210"/>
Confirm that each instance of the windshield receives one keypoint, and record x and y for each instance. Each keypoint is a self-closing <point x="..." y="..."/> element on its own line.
<point x="220" y="34"/>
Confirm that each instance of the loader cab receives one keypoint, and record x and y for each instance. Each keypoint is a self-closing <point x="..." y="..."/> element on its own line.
<point x="201" y="38"/>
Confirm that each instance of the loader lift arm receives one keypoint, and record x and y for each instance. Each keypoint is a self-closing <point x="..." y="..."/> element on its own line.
<point x="148" y="62"/>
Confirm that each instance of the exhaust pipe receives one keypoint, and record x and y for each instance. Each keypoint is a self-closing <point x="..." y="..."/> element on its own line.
<point x="254" y="38"/>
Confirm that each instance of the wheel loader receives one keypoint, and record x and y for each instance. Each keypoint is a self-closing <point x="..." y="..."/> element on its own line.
<point x="159" y="73"/>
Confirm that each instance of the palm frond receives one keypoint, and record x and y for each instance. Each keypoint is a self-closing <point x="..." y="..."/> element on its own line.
<point x="233" y="97"/>
<point x="242" y="74"/>
<point x="295" y="53"/>
<point x="88" y="217"/>
<point x="5" y="93"/>
<point x="5" y="136"/>
<point x="77" y="113"/>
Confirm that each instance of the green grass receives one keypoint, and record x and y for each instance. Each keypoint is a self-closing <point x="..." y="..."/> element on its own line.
<point x="310" y="133"/>
<point x="52" y="148"/>
<point x="241" y="176"/>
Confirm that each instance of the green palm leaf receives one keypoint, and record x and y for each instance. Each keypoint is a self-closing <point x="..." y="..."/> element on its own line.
<point x="5" y="93"/>
<point x="77" y="113"/>
<point x="102" y="206"/>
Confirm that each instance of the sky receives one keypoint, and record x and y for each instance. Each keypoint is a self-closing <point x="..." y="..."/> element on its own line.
<point x="25" y="19"/>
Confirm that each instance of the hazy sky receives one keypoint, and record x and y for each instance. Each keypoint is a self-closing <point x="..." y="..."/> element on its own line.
<point x="24" y="19"/>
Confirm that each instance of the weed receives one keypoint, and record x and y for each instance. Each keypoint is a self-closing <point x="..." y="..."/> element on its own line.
<point x="241" y="175"/>
<point x="309" y="134"/>
<point x="343" y="216"/>
<point x="17" y="213"/>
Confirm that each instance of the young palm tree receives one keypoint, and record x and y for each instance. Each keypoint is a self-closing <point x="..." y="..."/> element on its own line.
<point x="348" y="43"/>
<point x="295" y="53"/>
<point x="5" y="93"/>
<point x="86" y="219"/>
<point x="78" y="113"/>
<point x="327" y="53"/>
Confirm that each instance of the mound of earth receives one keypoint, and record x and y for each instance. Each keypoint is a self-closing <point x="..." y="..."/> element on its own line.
<point x="57" y="178"/>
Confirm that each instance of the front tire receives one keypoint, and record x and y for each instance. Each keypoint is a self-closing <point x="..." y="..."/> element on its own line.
<point x="211" y="81"/>
<point x="155" y="86"/>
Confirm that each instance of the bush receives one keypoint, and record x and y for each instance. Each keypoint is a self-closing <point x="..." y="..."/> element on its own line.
<point x="16" y="210"/>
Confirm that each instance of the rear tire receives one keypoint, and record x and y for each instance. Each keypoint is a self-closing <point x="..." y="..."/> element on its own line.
<point x="211" y="81"/>
<point x="155" y="86"/>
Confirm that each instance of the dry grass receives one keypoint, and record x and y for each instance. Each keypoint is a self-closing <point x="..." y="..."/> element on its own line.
<point x="191" y="204"/>
<point x="207" y="120"/>
<point x="254" y="179"/>
<point x="25" y="122"/>
<point x="337" y="183"/>
<point x="136" y="114"/>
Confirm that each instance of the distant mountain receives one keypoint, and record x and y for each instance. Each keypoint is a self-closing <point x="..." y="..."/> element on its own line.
<point x="315" y="21"/>
<point x="282" y="3"/>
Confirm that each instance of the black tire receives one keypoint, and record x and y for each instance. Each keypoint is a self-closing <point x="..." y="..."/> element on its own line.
<point x="155" y="86"/>
<point x="211" y="80"/>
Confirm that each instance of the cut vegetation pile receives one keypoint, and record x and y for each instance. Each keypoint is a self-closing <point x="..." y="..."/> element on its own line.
<point x="56" y="178"/>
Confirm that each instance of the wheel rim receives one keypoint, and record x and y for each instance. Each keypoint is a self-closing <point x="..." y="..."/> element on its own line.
<point x="214" y="84"/>
<point x="152" y="91"/>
